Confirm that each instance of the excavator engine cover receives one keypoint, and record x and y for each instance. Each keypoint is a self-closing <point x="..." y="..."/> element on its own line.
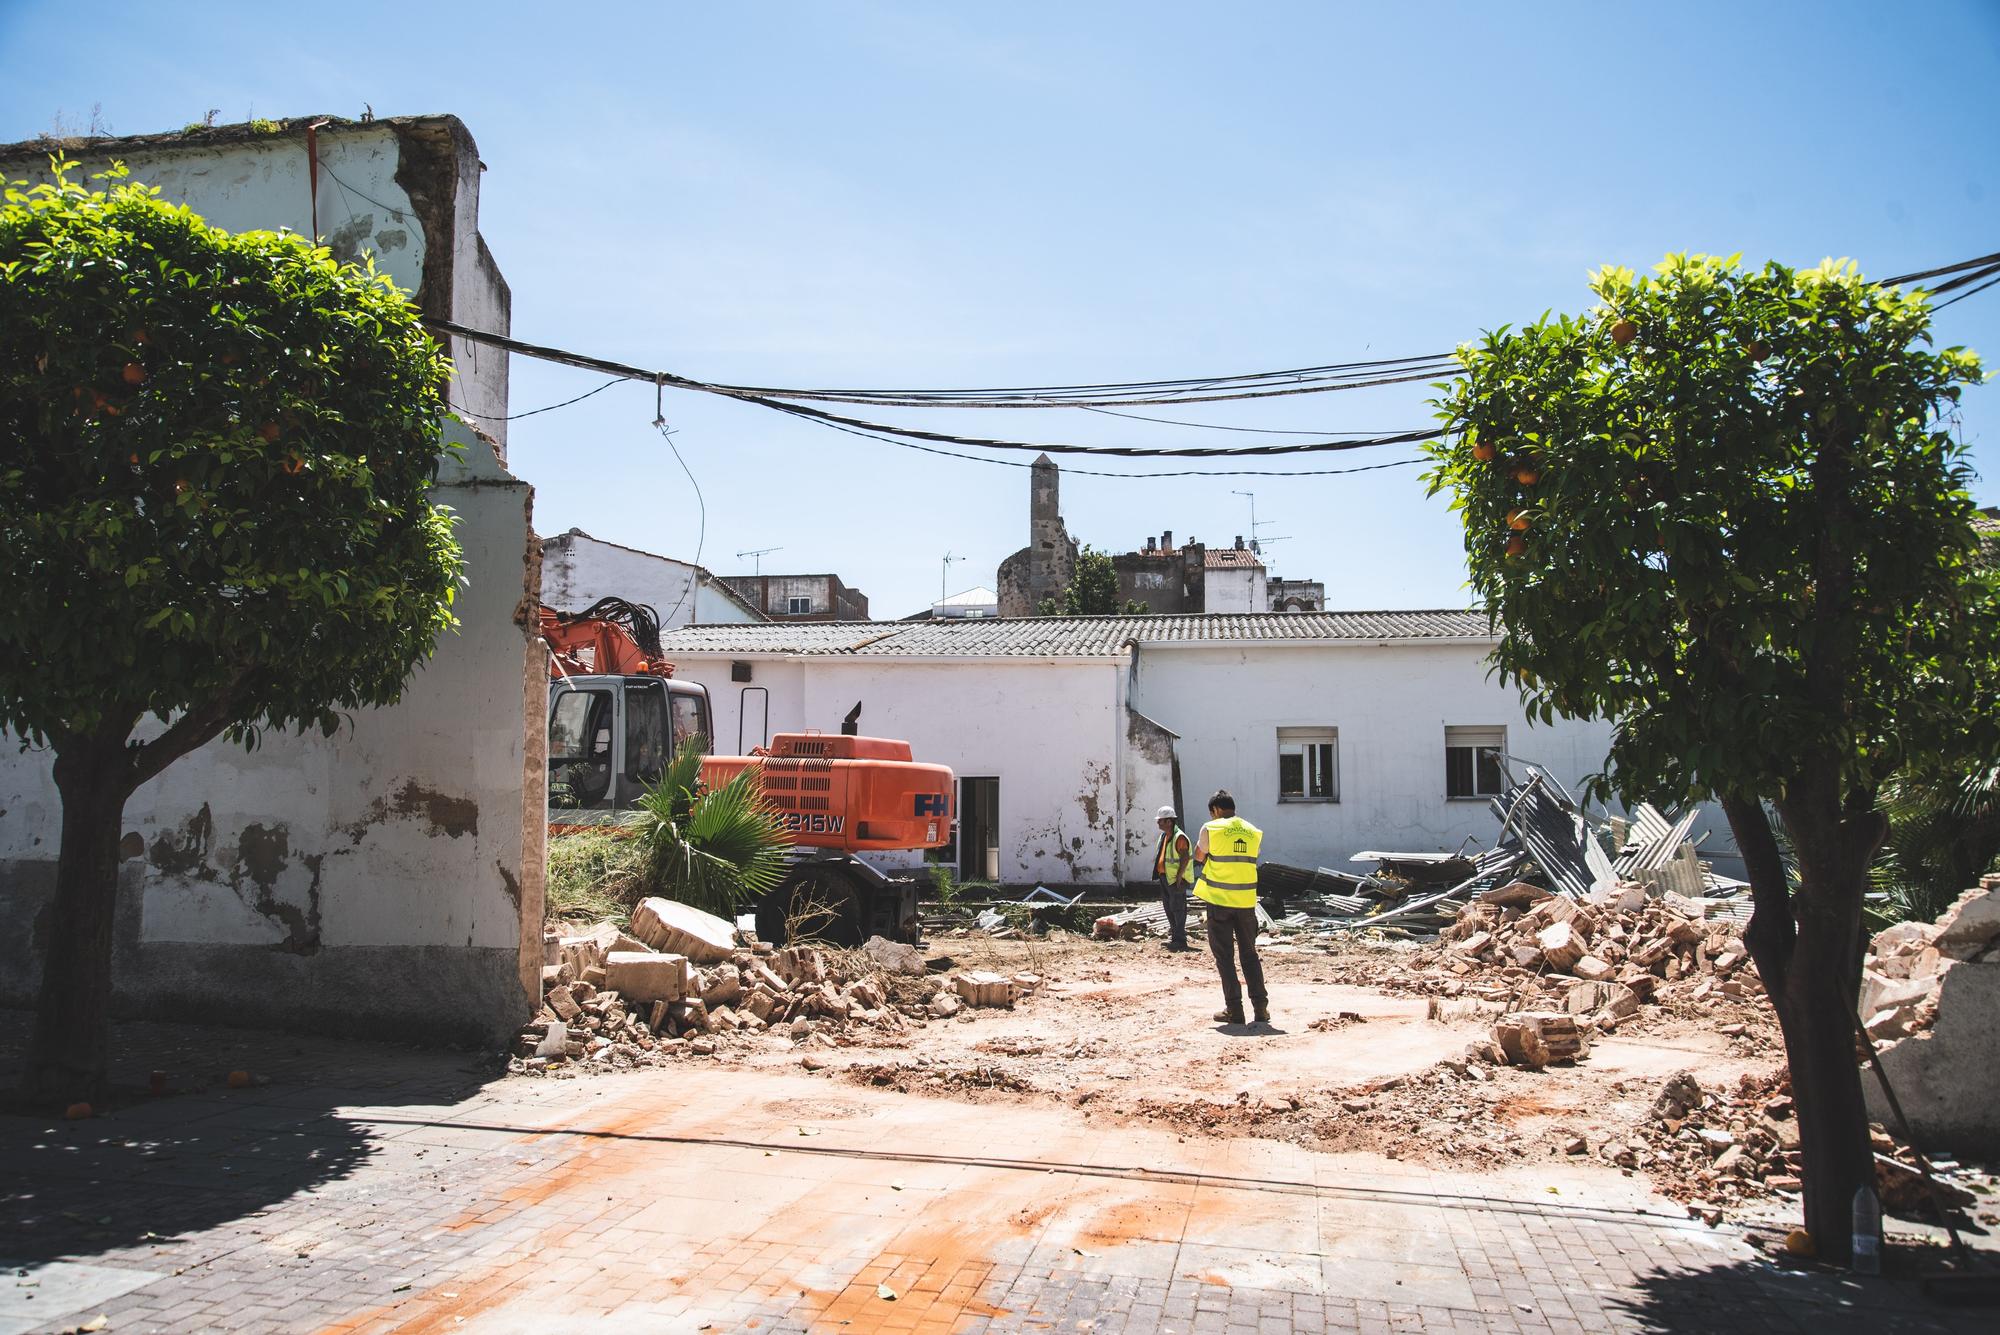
<point x="851" y="794"/>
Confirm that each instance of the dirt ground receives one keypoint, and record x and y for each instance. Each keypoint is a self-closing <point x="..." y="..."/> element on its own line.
<point x="1124" y="1032"/>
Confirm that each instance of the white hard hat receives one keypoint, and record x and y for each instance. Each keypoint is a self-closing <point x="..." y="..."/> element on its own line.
<point x="1164" y="813"/>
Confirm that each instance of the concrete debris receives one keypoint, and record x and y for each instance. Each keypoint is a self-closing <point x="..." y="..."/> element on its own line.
<point x="615" y="1000"/>
<point x="894" y="956"/>
<point x="1536" y="1039"/>
<point x="1599" y="964"/>
<point x="1930" y="996"/>
<point x="680" y="929"/>
<point x="1728" y="1146"/>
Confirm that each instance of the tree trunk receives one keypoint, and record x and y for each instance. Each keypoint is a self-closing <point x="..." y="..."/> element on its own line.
<point x="70" y="1057"/>
<point x="1808" y="950"/>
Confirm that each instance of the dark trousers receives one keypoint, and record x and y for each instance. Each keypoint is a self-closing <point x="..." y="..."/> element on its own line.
<point x="1231" y="933"/>
<point x="1173" y="898"/>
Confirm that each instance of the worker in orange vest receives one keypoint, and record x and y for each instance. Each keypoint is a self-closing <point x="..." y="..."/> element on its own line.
<point x="1173" y="868"/>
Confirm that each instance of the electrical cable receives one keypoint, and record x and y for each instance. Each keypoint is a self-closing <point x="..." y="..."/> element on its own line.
<point x="515" y="417"/>
<point x="1972" y="291"/>
<point x="701" y="529"/>
<point x="1134" y="477"/>
<point x="1215" y="426"/>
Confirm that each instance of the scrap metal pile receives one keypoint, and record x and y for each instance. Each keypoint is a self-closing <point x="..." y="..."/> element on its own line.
<point x="683" y="982"/>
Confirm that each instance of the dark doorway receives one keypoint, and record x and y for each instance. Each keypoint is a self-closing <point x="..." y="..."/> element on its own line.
<point x="979" y="829"/>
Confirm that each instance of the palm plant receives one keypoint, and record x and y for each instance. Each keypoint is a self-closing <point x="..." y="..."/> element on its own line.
<point x="1944" y="833"/>
<point x="716" y="849"/>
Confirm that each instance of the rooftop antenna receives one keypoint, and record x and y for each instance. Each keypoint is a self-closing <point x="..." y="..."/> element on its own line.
<point x="1256" y="523"/>
<point x="757" y="558"/>
<point x="945" y="575"/>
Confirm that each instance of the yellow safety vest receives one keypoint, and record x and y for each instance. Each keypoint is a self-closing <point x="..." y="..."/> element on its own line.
<point x="1169" y="861"/>
<point x="1229" y="876"/>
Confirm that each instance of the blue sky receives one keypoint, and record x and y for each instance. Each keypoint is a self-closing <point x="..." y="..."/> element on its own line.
<point x="927" y="195"/>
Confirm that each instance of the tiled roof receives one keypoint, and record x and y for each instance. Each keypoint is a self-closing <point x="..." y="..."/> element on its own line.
<point x="1068" y="637"/>
<point x="1238" y="557"/>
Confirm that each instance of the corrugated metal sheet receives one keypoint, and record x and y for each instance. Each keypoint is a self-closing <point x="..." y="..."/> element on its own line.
<point x="1070" y="637"/>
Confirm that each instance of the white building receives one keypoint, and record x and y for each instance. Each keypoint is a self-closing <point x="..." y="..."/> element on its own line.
<point x="972" y="603"/>
<point x="578" y="569"/>
<point x="1336" y="731"/>
<point x="387" y="879"/>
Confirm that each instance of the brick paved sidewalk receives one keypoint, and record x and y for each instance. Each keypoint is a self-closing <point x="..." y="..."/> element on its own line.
<point x="371" y="1188"/>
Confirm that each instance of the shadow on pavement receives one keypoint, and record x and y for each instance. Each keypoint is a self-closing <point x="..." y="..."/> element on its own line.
<point x="152" y="1172"/>
<point x="1754" y="1295"/>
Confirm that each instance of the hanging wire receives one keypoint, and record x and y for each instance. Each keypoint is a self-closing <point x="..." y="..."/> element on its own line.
<point x="515" y="417"/>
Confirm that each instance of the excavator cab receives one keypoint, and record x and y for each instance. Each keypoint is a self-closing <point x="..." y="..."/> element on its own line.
<point x="611" y="736"/>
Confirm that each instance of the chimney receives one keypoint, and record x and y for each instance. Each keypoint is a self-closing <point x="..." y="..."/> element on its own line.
<point x="1167" y="541"/>
<point x="1152" y="545"/>
<point x="1239" y="542"/>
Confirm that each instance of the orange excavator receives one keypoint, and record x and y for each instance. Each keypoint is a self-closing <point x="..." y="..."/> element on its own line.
<point x="616" y="715"/>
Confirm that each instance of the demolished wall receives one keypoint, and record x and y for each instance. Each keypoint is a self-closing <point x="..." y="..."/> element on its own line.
<point x="1933" y="991"/>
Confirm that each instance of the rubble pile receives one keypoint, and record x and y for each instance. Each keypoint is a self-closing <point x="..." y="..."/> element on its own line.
<point x="1908" y="963"/>
<point x="1536" y="959"/>
<point x="1716" y="1149"/>
<point x="680" y="981"/>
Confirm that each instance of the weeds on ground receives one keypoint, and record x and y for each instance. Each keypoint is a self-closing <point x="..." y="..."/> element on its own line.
<point x="595" y="875"/>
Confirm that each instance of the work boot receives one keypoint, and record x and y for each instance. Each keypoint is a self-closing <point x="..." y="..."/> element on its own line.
<point x="1263" y="1015"/>
<point x="1229" y="1017"/>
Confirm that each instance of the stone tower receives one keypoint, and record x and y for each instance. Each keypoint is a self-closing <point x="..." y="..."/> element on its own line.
<point x="1043" y="568"/>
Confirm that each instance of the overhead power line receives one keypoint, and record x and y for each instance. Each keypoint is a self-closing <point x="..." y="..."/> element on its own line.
<point x="1974" y="275"/>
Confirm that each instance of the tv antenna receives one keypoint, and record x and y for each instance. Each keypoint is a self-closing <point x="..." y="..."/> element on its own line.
<point x="757" y="558"/>
<point x="944" y="576"/>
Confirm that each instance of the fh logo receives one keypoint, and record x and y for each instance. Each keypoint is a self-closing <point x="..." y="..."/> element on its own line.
<point x="930" y="804"/>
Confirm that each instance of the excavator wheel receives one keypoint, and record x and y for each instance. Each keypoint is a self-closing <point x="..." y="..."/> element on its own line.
<point x="815" y="903"/>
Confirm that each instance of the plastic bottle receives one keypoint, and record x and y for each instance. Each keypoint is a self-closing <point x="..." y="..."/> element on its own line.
<point x="1867" y="1232"/>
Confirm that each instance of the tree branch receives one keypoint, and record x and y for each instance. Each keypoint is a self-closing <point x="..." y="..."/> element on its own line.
<point x="195" y="727"/>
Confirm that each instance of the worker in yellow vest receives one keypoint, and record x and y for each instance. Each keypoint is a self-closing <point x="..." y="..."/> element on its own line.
<point x="1173" y="868"/>
<point x="1226" y="853"/>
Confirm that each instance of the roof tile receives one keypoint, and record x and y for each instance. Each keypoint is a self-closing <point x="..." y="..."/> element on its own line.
<point x="1068" y="637"/>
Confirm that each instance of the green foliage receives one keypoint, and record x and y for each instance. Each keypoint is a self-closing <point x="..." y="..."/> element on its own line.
<point x="1944" y="834"/>
<point x="1743" y="535"/>
<point x="715" y="848"/>
<point x="264" y="125"/>
<point x="216" y="454"/>
<point x="1092" y="590"/>
<point x="594" y="875"/>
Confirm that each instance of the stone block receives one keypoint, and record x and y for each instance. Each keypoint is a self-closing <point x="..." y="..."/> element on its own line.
<point x="1592" y="969"/>
<point x="722" y="985"/>
<point x="561" y="1001"/>
<point x="681" y="929"/>
<point x="1969" y="926"/>
<point x="894" y="956"/>
<point x="644" y="976"/>
<point x="1561" y="948"/>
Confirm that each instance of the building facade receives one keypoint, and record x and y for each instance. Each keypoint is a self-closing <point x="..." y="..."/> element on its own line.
<point x="1337" y="732"/>
<point x="578" y="569"/>
<point x="388" y="879"/>
<point x="800" y="597"/>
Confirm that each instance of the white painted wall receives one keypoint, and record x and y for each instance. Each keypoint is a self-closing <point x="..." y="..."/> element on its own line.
<point x="1234" y="589"/>
<point x="1051" y="732"/>
<point x="1391" y="704"/>
<point x="578" y="569"/>
<point x="382" y="880"/>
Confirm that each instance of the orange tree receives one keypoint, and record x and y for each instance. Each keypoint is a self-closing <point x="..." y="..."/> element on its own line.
<point x="1719" y="511"/>
<point x="216" y="453"/>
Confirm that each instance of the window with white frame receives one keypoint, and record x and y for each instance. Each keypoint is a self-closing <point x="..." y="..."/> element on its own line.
<point x="1308" y="765"/>
<point x="798" y="606"/>
<point x="1472" y="761"/>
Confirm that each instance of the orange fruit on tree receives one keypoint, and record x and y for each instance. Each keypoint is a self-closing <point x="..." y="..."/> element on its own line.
<point x="76" y="1112"/>
<point x="1517" y="545"/>
<point x="134" y="373"/>
<point x="1623" y="331"/>
<point x="1527" y="475"/>
<point x="270" y="431"/>
<point x="1518" y="520"/>
<point x="293" y="464"/>
<point x="1484" y="451"/>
